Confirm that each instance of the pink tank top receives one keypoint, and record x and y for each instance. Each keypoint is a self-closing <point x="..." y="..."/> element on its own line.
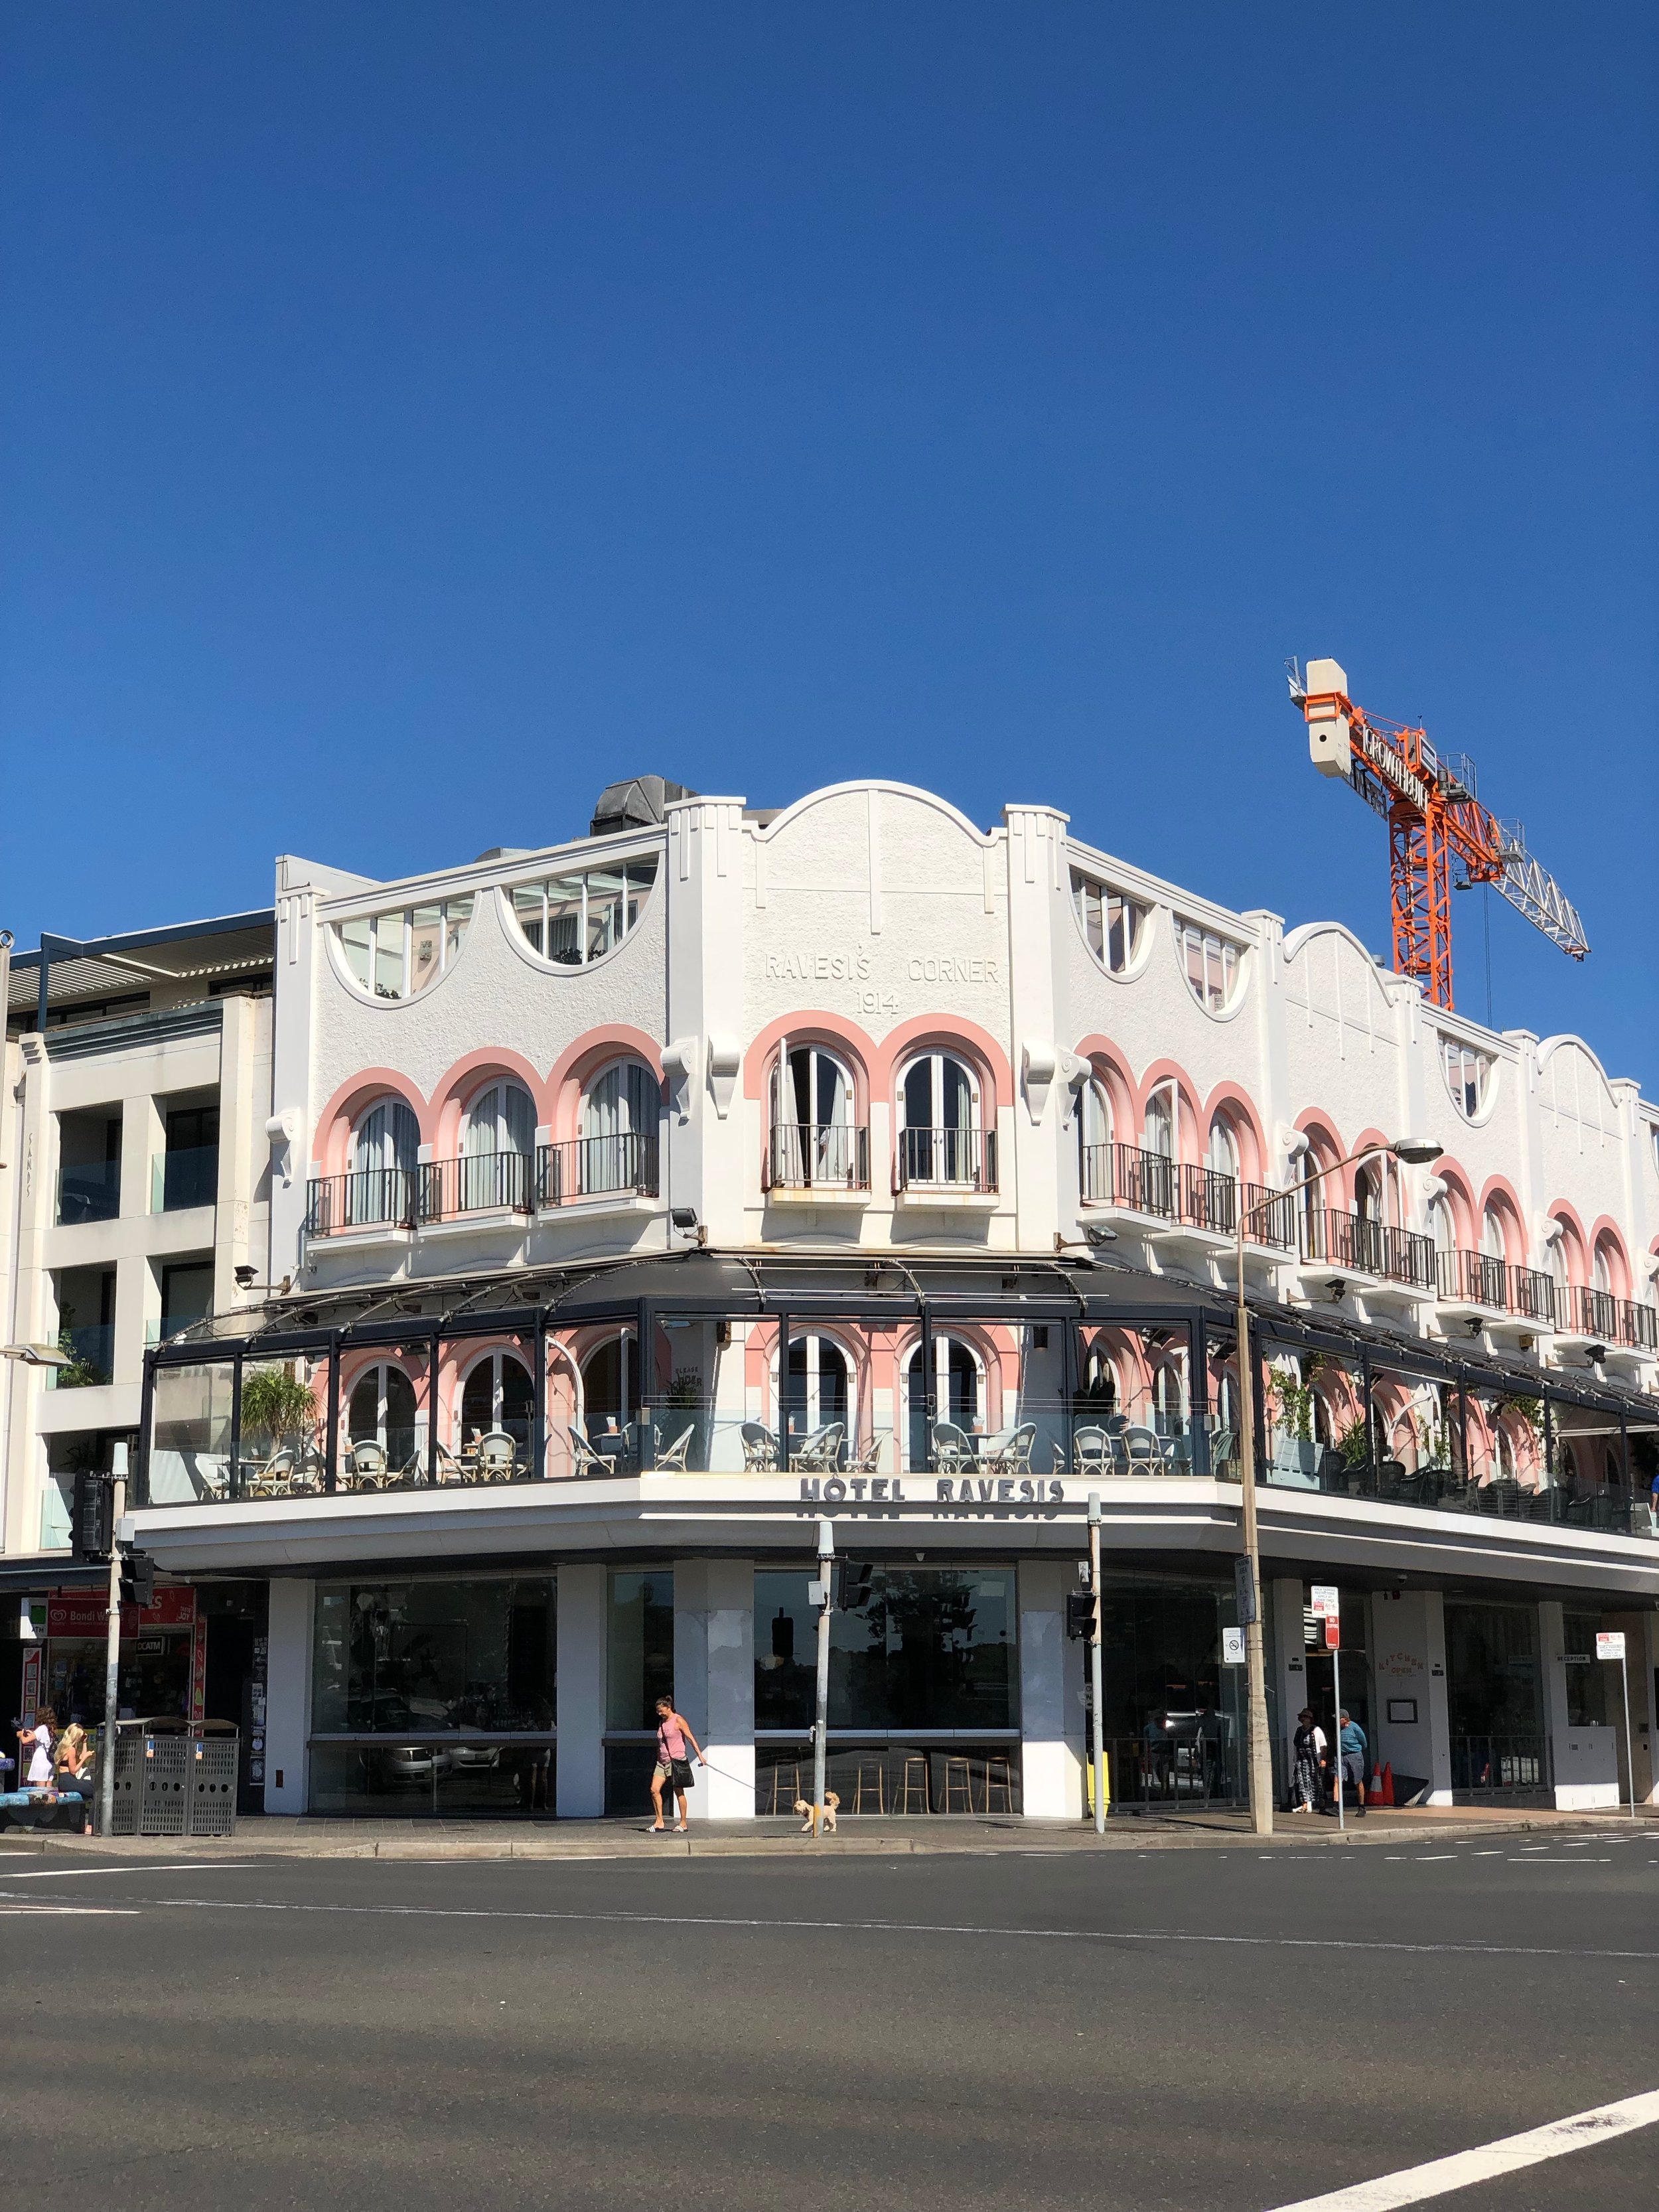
<point x="671" y="1740"/>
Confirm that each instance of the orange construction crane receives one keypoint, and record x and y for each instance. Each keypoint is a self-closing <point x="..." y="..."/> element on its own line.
<point x="1429" y="803"/>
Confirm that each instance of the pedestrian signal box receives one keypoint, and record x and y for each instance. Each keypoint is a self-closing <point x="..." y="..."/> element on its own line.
<point x="1079" y="1616"/>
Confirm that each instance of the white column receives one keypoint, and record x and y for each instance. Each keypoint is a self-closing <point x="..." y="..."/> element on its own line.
<point x="1408" y="1648"/>
<point x="1053" y="1750"/>
<point x="714" y="1680"/>
<point x="288" y="1697"/>
<point x="579" y="1775"/>
<point x="1584" y="1761"/>
<point x="1283" y="1602"/>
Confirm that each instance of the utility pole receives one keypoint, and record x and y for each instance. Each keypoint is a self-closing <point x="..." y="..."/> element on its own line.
<point x="113" y="1647"/>
<point x="821" y="1725"/>
<point x="1099" y="1716"/>
<point x="1255" y="1668"/>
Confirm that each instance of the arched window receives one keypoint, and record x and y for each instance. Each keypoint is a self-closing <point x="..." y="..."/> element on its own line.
<point x="1224" y="1157"/>
<point x="385" y="1146"/>
<point x="1368" y="1194"/>
<point x="1094" y="1141"/>
<point x="940" y="1141"/>
<point x="610" y="1384"/>
<point x="1442" y="1227"/>
<point x="1492" y="1243"/>
<point x="818" y="1387"/>
<point x="1159" y="1132"/>
<point x="958" y="1395"/>
<point x="496" y="1146"/>
<point x="620" y="1113"/>
<point x="381" y="1410"/>
<point x="813" y="1138"/>
<point x="498" y="1394"/>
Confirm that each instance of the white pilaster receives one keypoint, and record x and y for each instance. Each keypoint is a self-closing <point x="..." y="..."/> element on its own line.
<point x="714" y="1680"/>
<point x="1408" y="1662"/>
<point x="288" y="1696"/>
<point x="1584" y="1761"/>
<point x="578" y="1776"/>
<point x="1052" y="1749"/>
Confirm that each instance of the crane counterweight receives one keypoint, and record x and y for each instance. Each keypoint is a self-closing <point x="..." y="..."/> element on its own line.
<point x="1433" y="816"/>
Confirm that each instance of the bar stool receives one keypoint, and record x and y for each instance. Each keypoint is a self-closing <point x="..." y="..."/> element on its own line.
<point x="999" y="1775"/>
<point x="960" y="1774"/>
<point x="871" y="1777"/>
<point x="778" y="1773"/>
<point x="914" y="1781"/>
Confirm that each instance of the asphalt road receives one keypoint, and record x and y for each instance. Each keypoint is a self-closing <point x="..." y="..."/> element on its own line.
<point x="1204" y="2032"/>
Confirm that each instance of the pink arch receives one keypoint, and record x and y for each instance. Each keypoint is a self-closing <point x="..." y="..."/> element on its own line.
<point x="1232" y="1100"/>
<point x="336" y="1121"/>
<point x="469" y="1075"/>
<point x="1501" y="1197"/>
<point x="1460" y="1196"/>
<point x="1154" y="1078"/>
<point x="813" y="1026"/>
<point x="577" y="1066"/>
<point x="946" y="1031"/>
<point x="1606" y="1236"/>
<point x="1575" y="1244"/>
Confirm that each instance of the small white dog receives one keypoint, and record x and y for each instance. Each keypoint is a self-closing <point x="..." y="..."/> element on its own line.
<point x="810" y="1825"/>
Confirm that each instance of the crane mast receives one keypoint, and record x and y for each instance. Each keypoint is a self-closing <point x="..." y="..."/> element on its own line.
<point x="1429" y="801"/>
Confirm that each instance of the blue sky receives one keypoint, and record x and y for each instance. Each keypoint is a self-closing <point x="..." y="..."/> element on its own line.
<point x="411" y="417"/>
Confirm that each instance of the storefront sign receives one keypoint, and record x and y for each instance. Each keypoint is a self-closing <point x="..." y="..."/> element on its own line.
<point x="86" y="1613"/>
<point x="1014" y="1490"/>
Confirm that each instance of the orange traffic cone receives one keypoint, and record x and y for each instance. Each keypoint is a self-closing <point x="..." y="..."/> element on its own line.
<point x="1382" y="1788"/>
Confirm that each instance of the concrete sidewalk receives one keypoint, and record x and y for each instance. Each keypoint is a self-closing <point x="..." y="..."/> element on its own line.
<point x="871" y="1836"/>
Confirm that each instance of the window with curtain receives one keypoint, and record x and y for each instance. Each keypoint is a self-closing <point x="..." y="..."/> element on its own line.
<point x="385" y="1146"/>
<point x="1094" y="1141"/>
<point x="939" y="1099"/>
<point x="1158" y="1131"/>
<point x="497" y="1141"/>
<point x="620" y="1113"/>
<point x="1112" y="923"/>
<point x="1223" y="1148"/>
<point x="813" y="1139"/>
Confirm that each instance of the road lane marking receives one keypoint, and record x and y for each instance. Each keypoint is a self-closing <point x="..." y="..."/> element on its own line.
<point x="1560" y="1862"/>
<point x="881" y="1927"/>
<point x="1434" y="1858"/>
<point x="181" y="1866"/>
<point x="1414" y="2183"/>
<point x="71" y="1911"/>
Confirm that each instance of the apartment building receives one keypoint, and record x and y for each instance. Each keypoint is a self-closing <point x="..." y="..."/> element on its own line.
<point x="636" y="1204"/>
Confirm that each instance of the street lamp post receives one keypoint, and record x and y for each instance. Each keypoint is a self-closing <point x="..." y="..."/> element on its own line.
<point x="1411" y="1150"/>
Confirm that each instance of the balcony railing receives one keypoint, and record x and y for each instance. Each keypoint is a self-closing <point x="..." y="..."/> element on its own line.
<point x="809" y="1155"/>
<point x="954" y="1159"/>
<point x="89" y="1193"/>
<point x="594" y="1167"/>
<point x="1369" y="1248"/>
<point x="1615" y="1321"/>
<point x="1532" y="1295"/>
<point x="477" y="1183"/>
<point x="186" y="1176"/>
<point x="1473" y="1278"/>
<point x="1178" y="1191"/>
<point x="1638" y="1326"/>
<point x="367" y="1197"/>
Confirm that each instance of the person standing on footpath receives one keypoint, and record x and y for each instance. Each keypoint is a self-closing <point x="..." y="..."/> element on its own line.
<point x="674" y="1732"/>
<point x="1308" y="1758"/>
<point x="1352" y="1749"/>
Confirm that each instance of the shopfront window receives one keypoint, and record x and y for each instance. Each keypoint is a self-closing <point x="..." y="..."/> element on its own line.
<point x="190" y="1433"/>
<point x="931" y="1648"/>
<point x="423" y="1657"/>
<point x="640" y="1647"/>
<point x="1587" y="1685"/>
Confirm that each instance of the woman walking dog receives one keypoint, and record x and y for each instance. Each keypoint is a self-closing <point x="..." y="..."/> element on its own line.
<point x="674" y="1732"/>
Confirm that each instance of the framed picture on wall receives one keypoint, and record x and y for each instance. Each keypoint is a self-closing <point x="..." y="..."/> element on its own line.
<point x="1402" y="1709"/>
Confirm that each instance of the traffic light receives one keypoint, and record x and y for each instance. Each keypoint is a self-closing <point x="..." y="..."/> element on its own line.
<point x="851" y="1584"/>
<point x="138" y="1580"/>
<point x="1080" y="1616"/>
<point x="92" y="1532"/>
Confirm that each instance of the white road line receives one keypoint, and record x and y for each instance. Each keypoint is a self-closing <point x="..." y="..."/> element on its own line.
<point x="1560" y="1862"/>
<point x="179" y="1866"/>
<point x="70" y="1911"/>
<point x="1434" y="1858"/>
<point x="1602" y="2123"/>
<point x="886" y="1928"/>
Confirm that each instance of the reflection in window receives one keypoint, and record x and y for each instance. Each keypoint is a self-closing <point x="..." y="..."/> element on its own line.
<point x="396" y="954"/>
<point x="641" y="1646"/>
<point x="927" y="1649"/>
<point x="1211" y="965"/>
<point x="1468" y="1075"/>
<point x="572" y="919"/>
<point x="419" y="1657"/>
<point x="1112" y="923"/>
<point x="499" y="1395"/>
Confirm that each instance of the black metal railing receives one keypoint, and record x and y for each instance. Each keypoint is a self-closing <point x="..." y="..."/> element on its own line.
<point x="1178" y="1190"/>
<point x="812" y="1156"/>
<point x="1638" y="1325"/>
<point x="1592" y="1313"/>
<point x="1473" y="1279"/>
<point x="593" y="1167"/>
<point x="1532" y="1295"/>
<point x="958" y="1160"/>
<point x="1368" y="1247"/>
<point x="366" y="1198"/>
<point x="477" y="1183"/>
<point x="89" y="1193"/>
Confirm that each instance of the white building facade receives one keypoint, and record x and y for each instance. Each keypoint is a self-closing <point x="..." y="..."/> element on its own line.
<point x="643" y="1200"/>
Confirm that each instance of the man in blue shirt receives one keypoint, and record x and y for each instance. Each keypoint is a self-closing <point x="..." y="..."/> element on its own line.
<point x="1352" y="1749"/>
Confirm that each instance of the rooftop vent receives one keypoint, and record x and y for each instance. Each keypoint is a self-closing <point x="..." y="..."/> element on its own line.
<point x="636" y="803"/>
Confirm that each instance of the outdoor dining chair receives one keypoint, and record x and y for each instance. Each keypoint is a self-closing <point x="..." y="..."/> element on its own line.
<point x="588" y="1461"/>
<point x="1141" y="1447"/>
<point x="867" y="1458"/>
<point x="498" y="1456"/>
<point x="367" y="1463"/>
<point x="953" y="1448"/>
<point x="273" y="1479"/>
<point x="760" y="1448"/>
<point x="1091" y="1450"/>
<point x="673" y="1459"/>
<point x="820" y="1453"/>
